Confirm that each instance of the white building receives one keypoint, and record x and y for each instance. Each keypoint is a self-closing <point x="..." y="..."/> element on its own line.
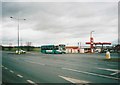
<point x="72" y="49"/>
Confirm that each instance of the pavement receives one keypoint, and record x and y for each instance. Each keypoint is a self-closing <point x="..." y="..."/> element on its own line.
<point x="37" y="68"/>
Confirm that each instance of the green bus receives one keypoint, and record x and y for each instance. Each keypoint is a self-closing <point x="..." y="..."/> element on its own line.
<point x="53" y="49"/>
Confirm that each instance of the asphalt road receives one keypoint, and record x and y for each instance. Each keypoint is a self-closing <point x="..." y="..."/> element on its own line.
<point x="34" y="68"/>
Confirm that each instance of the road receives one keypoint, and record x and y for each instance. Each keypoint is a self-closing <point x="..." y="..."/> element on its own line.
<point x="34" y="68"/>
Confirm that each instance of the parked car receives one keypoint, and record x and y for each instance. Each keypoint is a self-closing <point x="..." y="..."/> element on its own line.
<point x="20" y="51"/>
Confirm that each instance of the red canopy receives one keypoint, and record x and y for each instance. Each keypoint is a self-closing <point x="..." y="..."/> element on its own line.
<point x="100" y="43"/>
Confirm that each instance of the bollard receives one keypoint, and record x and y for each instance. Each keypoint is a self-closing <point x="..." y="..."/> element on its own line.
<point x="108" y="55"/>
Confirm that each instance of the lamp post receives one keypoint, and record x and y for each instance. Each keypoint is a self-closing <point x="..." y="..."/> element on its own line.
<point x="91" y="42"/>
<point x="18" y="19"/>
<point x="91" y="33"/>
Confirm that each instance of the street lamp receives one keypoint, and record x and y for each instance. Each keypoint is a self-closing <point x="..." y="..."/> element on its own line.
<point x="91" y="33"/>
<point x="91" y="42"/>
<point x="18" y="19"/>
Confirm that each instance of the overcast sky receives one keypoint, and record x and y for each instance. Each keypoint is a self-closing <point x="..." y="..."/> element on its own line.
<point x="60" y="22"/>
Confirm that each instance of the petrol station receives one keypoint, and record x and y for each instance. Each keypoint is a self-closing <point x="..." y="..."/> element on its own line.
<point x="93" y="44"/>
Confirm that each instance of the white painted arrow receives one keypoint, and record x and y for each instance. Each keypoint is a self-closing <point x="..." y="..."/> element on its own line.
<point x="72" y="80"/>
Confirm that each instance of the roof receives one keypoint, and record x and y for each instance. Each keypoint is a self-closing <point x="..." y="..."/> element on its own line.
<point x="99" y="43"/>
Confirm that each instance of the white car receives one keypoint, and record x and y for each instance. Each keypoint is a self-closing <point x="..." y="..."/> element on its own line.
<point x="20" y="51"/>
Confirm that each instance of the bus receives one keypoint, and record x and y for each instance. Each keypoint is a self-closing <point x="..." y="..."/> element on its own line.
<point x="53" y="49"/>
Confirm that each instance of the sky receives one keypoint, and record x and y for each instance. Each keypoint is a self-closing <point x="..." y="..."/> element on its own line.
<point x="59" y="22"/>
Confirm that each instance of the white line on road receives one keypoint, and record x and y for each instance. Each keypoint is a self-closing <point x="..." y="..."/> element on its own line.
<point x="11" y="71"/>
<point x="29" y="81"/>
<point x="84" y="72"/>
<point x="1" y="66"/>
<point x="35" y="63"/>
<point x="114" y="73"/>
<point x="6" y="68"/>
<point x="19" y="75"/>
<point x="72" y="80"/>
<point x="114" y="70"/>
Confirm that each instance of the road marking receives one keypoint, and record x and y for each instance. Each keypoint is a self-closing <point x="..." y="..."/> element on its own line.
<point x="11" y="71"/>
<point x="114" y="70"/>
<point x="2" y="66"/>
<point x="90" y="73"/>
<point x="6" y="68"/>
<point x="72" y="80"/>
<point x="114" y="73"/>
<point x="19" y="75"/>
<point x="29" y="81"/>
<point x="35" y="63"/>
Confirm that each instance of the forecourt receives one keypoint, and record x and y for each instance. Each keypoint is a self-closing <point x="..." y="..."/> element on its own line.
<point x="36" y="68"/>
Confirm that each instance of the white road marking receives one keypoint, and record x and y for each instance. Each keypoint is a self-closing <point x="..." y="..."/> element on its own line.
<point x="11" y="71"/>
<point x="29" y="81"/>
<point x="6" y="68"/>
<point x="0" y="65"/>
<point x="72" y="80"/>
<point x="35" y="63"/>
<point x="114" y="70"/>
<point x="19" y="75"/>
<point x="94" y="74"/>
<point x="114" y="73"/>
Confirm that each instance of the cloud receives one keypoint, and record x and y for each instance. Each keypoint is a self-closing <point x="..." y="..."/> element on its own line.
<point x="53" y="22"/>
